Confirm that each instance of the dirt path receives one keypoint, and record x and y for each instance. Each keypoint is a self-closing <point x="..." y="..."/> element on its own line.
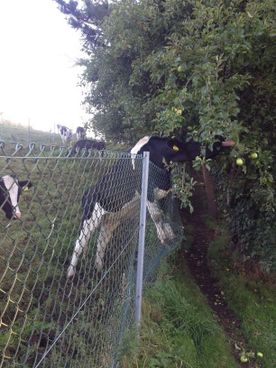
<point x="197" y="261"/>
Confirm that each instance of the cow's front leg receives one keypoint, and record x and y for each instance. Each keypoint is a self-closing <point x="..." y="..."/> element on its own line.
<point x="170" y="235"/>
<point x="88" y="228"/>
<point x="109" y="225"/>
<point x="106" y="232"/>
<point x="80" y="246"/>
<point x="164" y="229"/>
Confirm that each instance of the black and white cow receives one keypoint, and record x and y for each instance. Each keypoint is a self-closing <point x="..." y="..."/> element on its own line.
<point x="65" y="133"/>
<point x="80" y="133"/>
<point x="10" y="191"/>
<point x="114" y="198"/>
<point x="88" y="144"/>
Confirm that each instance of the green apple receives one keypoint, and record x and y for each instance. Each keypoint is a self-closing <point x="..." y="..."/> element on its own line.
<point x="244" y="359"/>
<point x="239" y="161"/>
<point x="178" y="111"/>
<point x="253" y="155"/>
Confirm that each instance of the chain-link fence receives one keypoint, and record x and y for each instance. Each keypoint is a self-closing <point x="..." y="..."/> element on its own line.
<point x="68" y="262"/>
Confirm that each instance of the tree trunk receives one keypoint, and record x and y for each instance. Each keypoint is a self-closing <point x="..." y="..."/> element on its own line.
<point x="210" y="192"/>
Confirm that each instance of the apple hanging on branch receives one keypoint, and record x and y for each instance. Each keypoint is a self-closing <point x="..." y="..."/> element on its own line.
<point x="239" y="161"/>
<point x="253" y="155"/>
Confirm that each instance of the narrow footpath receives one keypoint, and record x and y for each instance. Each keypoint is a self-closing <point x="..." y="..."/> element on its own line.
<point x="197" y="260"/>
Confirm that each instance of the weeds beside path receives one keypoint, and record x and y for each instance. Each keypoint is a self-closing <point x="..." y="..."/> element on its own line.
<point x="190" y="319"/>
<point x="197" y="260"/>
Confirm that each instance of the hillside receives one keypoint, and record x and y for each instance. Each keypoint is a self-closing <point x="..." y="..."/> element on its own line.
<point x="12" y="134"/>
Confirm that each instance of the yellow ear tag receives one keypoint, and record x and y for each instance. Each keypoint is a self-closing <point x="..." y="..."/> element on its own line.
<point x="175" y="148"/>
<point x="25" y="189"/>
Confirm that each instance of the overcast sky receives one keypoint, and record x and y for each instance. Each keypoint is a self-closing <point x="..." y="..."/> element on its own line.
<point x="38" y="76"/>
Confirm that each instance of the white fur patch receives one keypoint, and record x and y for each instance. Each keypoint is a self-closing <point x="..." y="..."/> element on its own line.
<point x="139" y="145"/>
<point x="12" y="187"/>
<point x="160" y="193"/>
<point x="137" y="148"/>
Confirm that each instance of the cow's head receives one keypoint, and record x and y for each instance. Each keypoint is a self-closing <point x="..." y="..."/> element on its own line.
<point x="220" y="145"/>
<point x="80" y="133"/>
<point x="65" y="133"/>
<point x="10" y="191"/>
<point x="163" y="150"/>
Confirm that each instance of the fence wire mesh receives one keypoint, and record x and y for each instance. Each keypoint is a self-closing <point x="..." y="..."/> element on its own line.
<point x="67" y="268"/>
<point x="157" y="247"/>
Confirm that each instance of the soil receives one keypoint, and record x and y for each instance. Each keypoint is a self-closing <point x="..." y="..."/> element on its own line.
<point x="197" y="260"/>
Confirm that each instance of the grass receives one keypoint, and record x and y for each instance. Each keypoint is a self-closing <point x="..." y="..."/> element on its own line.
<point x="251" y="298"/>
<point x="178" y="328"/>
<point x="12" y="133"/>
<point x="34" y="253"/>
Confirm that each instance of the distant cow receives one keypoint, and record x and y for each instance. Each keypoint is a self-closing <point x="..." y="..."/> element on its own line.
<point x="10" y="191"/>
<point x="80" y="133"/>
<point x="113" y="197"/>
<point x="65" y="133"/>
<point x="87" y="144"/>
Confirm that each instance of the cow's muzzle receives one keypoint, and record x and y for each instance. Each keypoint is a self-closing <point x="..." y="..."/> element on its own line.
<point x="228" y="143"/>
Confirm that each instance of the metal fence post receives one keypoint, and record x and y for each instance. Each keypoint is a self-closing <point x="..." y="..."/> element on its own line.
<point x="141" y="244"/>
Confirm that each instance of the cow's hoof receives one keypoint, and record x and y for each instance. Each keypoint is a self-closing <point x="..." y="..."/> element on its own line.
<point x="99" y="264"/>
<point x="70" y="272"/>
<point x="170" y="235"/>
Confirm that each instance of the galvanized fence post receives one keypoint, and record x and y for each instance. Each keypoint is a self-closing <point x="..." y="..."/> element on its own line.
<point x="141" y="244"/>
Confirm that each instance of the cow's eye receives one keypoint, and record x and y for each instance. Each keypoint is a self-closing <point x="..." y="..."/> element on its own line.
<point x="175" y="148"/>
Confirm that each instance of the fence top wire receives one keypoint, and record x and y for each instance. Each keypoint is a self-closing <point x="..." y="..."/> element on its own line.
<point x="34" y="150"/>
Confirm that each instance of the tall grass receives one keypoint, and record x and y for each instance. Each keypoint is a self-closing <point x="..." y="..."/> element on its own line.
<point x="252" y="299"/>
<point x="178" y="328"/>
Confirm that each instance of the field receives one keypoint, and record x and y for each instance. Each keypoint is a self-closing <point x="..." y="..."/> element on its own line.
<point x="37" y="301"/>
<point x="12" y="134"/>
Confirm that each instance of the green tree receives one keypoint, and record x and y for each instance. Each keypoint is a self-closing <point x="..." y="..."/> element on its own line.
<point x="192" y="68"/>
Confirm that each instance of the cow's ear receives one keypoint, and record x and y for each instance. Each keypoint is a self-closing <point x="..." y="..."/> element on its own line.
<point x="25" y="184"/>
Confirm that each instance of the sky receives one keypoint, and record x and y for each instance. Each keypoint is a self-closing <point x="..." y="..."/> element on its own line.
<point x="38" y="73"/>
